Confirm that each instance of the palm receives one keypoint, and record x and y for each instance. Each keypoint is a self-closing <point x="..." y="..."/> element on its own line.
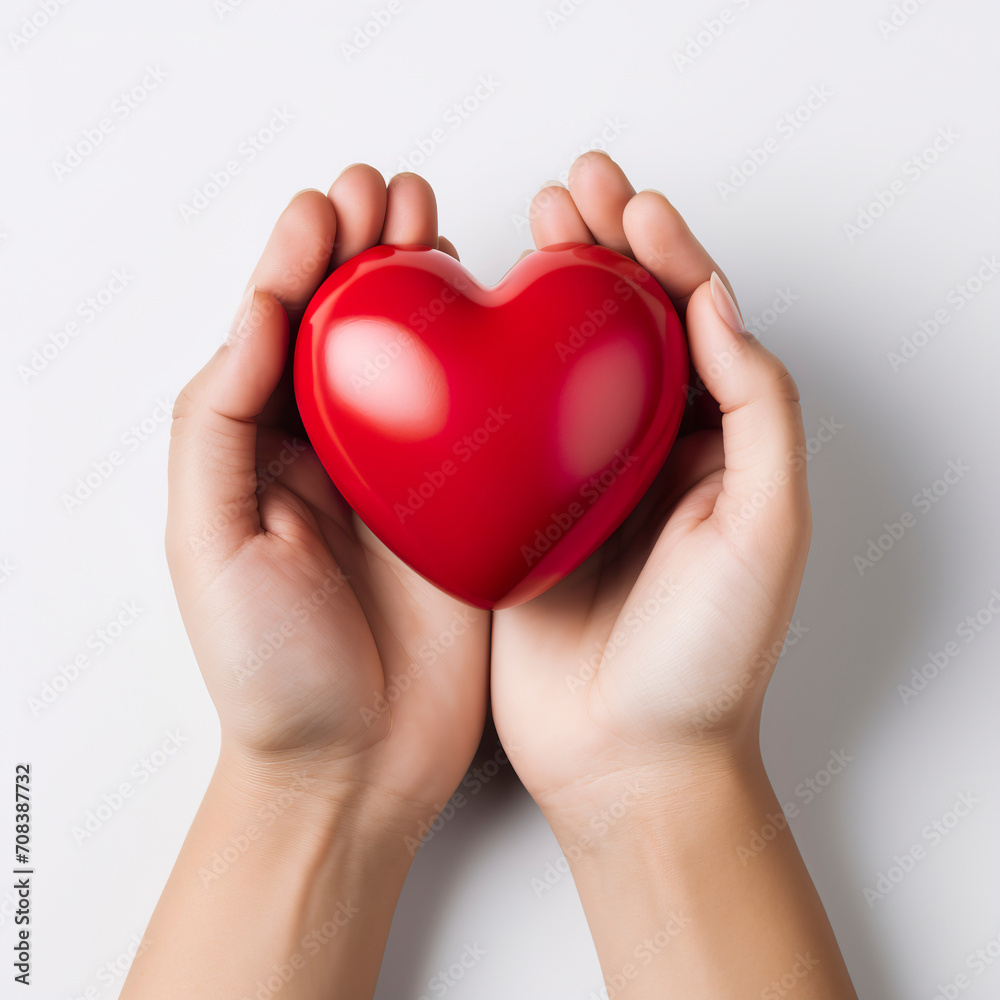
<point x="327" y="632"/>
<point x="599" y="631"/>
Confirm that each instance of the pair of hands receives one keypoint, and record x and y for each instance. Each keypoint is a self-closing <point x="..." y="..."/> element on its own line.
<point x="353" y="694"/>
<point x="650" y="660"/>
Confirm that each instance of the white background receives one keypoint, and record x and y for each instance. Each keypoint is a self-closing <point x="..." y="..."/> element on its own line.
<point x="681" y="130"/>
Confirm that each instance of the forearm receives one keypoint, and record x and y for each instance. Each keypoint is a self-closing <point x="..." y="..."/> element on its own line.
<point x="680" y="903"/>
<point x="284" y="886"/>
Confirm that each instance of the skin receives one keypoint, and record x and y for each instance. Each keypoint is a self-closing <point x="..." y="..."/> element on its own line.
<point x="346" y="723"/>
<point x="360" y="709"/>
<point x="613" y="691"/>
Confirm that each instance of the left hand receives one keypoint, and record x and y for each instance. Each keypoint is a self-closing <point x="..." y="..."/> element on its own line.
<point x="653" y="657"/>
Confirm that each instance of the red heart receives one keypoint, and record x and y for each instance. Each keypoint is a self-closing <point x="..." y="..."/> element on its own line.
<point x="493" y="438"/>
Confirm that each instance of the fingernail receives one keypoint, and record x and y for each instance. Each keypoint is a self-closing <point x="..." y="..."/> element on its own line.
<point x="551" y="184"/>
<point x="724" y="304"/>
<point x="241" y="321"/>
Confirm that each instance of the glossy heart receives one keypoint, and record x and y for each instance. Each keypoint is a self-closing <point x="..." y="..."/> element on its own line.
<point x="493" y="438"/>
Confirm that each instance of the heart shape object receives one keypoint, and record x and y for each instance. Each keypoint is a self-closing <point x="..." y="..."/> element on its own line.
<point x="493" y="438"/>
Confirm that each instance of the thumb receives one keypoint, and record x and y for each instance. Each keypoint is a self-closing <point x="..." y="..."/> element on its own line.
<point x="212" y="471"/>
<point x="763" y="438"/>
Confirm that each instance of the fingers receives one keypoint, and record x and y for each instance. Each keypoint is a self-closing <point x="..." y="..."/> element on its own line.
<point x="601" y="205"/>
<point x="212" y="468"/>
<point x="212" y="464"/>
<point x="362" y="203"/>
<point x="295" y="259"/>
<point x="292" y="267"/>
<point x="601" y="191"/>
<point x="446" y="246"/>
<point x="763" y="437"/>
<point x="411" y="212"/>
<point x="359" y="199"/>
<point x="665" y="246"/>
<point x="555" y="218"/>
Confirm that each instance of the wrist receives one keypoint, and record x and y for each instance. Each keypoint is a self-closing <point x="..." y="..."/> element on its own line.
<point x="676" y="864"/>
<point x="300" y="866"/>
<point x="319" y="799"/>
<point x="679" y="790"/>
